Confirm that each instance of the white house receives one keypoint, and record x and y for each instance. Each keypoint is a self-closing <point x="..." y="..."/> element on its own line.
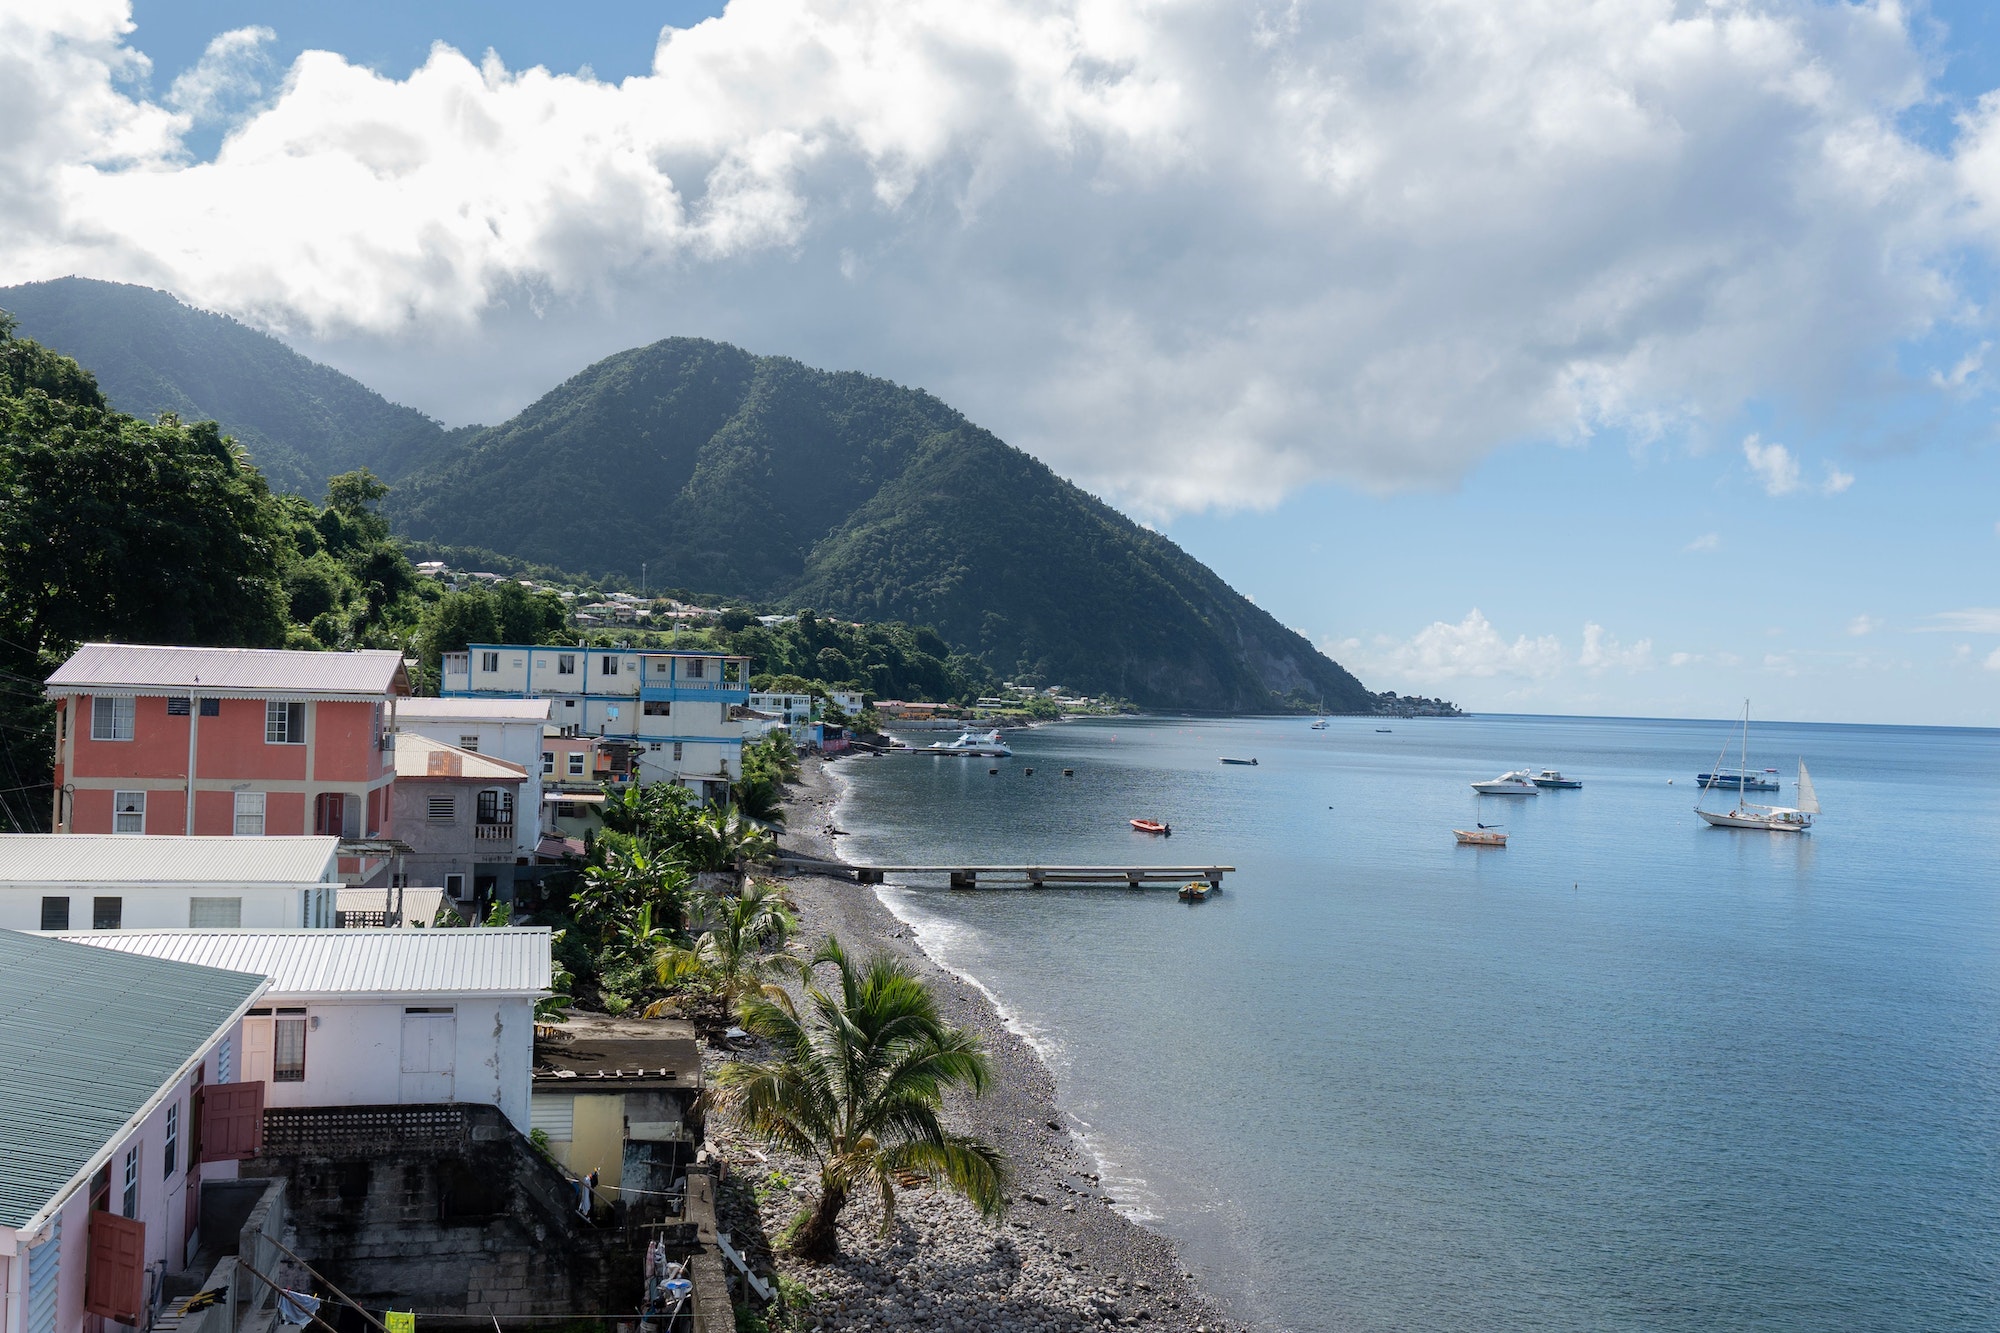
<point x="374" y="1017"/>
<point x="675" y="707"/>
<point x="119" y="1099"/>
<point x="509" y="729"/>
<point x="126" y="881"/>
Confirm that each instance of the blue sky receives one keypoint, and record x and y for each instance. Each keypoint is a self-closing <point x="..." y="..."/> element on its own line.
<point x="1621" y="361"/>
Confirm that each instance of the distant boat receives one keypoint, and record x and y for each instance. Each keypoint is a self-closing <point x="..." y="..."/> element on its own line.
<point x="1383" y="731"/>
<point x="1152" y="826"/>
<point x="1250" y="762"/>
<point x="1749" y="814"/>
<point x="987" y="746"/>
<point x="1482" y="836"/>
<point x="1520" y="782"/>
<point x="1198" y="891"/>
<point x="1319" y="725"/>
<point x="1739" y="779"/>
<point x="1548" y="777"/>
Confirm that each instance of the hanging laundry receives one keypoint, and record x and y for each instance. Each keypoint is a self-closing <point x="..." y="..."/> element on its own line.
<point x="406" y="1322"/>
<point x="296" y="1307"/>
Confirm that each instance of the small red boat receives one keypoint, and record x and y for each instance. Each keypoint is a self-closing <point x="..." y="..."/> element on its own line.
<point x="1151" y="826"/>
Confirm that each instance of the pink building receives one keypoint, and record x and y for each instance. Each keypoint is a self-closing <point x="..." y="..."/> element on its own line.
<point x="242" y="741"/>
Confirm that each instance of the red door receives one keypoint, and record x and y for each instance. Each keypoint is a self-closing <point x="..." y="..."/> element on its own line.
<point x="232" y="1121"/>
<point x="114" y="1282"/>
<point x="330" y="814"/>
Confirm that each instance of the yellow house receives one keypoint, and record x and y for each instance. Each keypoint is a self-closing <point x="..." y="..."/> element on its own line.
<point x="618" y="1097"/>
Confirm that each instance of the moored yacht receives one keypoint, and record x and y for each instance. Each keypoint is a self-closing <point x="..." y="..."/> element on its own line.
<point x="1520" y="782"/>
<point x="1549" y="778"/>
<point x="987" y="746"/>
<point x="1749" y="814"/>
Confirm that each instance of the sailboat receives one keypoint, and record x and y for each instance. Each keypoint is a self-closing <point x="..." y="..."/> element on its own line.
<point x="1748" y="814"/>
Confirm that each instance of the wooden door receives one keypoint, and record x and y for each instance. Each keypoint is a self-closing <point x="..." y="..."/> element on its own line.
<point x="114" y="1283"/>
<point x="430" y="1055"/>
<point x="257" y="1049"/>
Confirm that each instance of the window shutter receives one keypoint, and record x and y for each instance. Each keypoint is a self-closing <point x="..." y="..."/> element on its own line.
<point x="232" y="1121"/>
<point x="114" y="1283"/>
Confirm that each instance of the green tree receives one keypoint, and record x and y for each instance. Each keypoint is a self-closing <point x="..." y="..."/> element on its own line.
<point x="727" y="956"/>
<point x="857" y="1085"/>
<point x="724" y="839"/>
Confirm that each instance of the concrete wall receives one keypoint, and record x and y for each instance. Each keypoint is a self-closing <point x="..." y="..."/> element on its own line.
<point x="354" y="1057"/>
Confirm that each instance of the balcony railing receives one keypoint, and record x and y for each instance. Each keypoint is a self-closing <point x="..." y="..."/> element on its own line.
<point x="493" y="832"/>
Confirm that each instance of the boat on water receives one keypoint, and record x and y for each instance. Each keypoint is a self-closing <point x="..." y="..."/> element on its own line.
<point x="1520" y="782"/>
<point x="1198" y="891"/>
<point x="1549" y="778"/>
<point x="1751" y="815"/>
<point x="1383" y="731"/>
<point x="1251" y="763"/>
<point x="1739" y="779"/>
<point x="1483" y="835"/>
<point x="1319" y="725"/>
<point x="988" y="745"/>
<point x="1153" y="826"/>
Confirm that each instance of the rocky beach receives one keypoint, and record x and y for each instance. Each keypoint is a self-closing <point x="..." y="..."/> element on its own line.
<point x="1062" y="1258"/>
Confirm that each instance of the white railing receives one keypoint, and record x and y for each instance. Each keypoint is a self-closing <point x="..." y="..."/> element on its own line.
<point x="493" y="832"/>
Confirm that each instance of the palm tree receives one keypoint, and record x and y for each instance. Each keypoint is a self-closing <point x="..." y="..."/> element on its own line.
<point x="857" y="1085"/>
<point x="723" y="839"/>
<point x="761" y="799"/>
<point x="726" y="955"/>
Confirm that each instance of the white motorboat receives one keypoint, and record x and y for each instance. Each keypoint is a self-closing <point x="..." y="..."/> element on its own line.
<point x="988" y="746"/>
<point x="1552" y="779"/>
<point x="1520" y="782"/>
<point x="1749" y="814"/>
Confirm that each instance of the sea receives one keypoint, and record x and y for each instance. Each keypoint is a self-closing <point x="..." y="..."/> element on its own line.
<point x="1628" y="1072"/>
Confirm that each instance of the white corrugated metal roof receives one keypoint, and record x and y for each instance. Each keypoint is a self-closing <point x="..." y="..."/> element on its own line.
<point x="158" y="858"/>
<point x="130" y="668"/>
<point x="420" y="906"/>
<point x="472" y="710"/>
<point x="419" y="757"/>
<point x="507" y="960"/>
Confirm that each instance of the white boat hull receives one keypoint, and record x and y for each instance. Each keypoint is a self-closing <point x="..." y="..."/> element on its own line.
<point x="1506" y="789"/>
<point x="1777" y="821"/>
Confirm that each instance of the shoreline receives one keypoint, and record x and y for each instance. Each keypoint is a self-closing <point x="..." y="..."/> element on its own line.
<point x="1062" y="1257"/>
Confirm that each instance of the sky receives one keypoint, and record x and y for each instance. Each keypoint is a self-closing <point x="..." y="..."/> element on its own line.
<point x="1625" y="357"/>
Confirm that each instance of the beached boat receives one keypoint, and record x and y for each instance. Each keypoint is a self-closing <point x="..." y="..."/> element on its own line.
<point x="1153" y="826"/>
<point x="1198" y="891"/>
<point x="1549" y="778"/>
<point x="1252" y="763"/>
<point x="1520" y="782"/>
<point x="987" y="746"/>
<point x="1749" y="814"/>
<point x="1482" y="836"/>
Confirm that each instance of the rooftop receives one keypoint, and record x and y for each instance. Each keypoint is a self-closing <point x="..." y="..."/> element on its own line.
<point x="157" y="858"/>
<point x="473" y="710"/>
<point x="638" y="1052"/>
<point x="87" y="1040"/>
<point x="419" y="757"/>
<point x="420" y="906"/>
<point x="128" y="668"/>
<point x="509" y="960"/>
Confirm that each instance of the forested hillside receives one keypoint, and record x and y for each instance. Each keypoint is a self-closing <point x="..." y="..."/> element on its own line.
<point x="760" y="478"/>
<point x="301" y="422"/>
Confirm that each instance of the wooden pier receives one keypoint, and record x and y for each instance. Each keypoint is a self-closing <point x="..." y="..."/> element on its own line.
<point x="960" y="876"/>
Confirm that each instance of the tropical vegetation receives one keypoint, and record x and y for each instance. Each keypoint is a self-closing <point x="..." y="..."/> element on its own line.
<point x="856" y="1086"/>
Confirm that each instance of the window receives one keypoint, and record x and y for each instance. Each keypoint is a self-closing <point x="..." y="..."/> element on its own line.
<point x="173" y="1138"/>
<point x="110" y="719"/>
<point x="469" y="743"/>
<point x="177" y="707"/>
<point x="106" y="913"/>
<point x="695" y="668"/>
<point x="677" y="752"/>
<point x="288" y="1047"/>
<point x="608" y="666"/>
<point x="249" y="814"/>
<point x="654" y="746"/>
<point x="442" y="809"/>
<point x="215" y="913"/>
<point x="659" y="708"/>
<point x="284" y="724"/>
<point x="128" y="812"/>
<point x="55" y="913"/>
<point x="549" y="761"/>
<point x="576" y="763"/>
<point x="564" y="810"/>
<point x="496" y="807"/>
<point x="489" y="662"/>
<point x="455" y="885"/>
<point x="211" y="708"/>
<point x="131" y="1200"/>
<point x="565" y="664"/>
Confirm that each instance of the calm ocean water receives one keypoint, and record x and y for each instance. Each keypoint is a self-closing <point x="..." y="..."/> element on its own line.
<point x="1628" y="1073"/>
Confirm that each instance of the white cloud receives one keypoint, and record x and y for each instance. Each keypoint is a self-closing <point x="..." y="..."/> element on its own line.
<point x="1964" y="372"/>
<point x="1190" y="253"/>
<point x="1708" y="541"/>
<point x="1774" y="465"/>
<point x="1836" y="481"/>
<point x="226" y="75"/>
<point x="1444" y="652"/>
<point x="1993" y="660"/>
<point x="1971" y="620"/>
<point x="1685" y="659"/>
<point x="1601" y="652"/>
<point x="1862" y="625"/>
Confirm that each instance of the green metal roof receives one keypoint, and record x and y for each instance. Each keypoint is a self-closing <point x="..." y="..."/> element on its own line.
<point x="87" y="1036"/>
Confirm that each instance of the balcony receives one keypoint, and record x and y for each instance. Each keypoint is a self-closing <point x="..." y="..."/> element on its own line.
<point x="493" y="832"/>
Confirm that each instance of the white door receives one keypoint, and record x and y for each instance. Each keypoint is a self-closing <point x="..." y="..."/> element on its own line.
<point x="430" y="1043"/>
<point x="257" y="1050"/>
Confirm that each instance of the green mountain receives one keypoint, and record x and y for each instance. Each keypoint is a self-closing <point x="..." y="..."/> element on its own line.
<point x="761" y="478"/>
<point x="301" y="422"/>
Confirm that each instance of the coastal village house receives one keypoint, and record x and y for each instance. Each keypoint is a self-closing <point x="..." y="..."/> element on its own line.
<point x="676" y="709"/>
<point x="121" y="1098"/>
<point x="378" y="1017"/>
<point x="620" y="1096"/>
<point x="101" y="881"/>
<point x="509" y="729"/>
<point x="242" y="742"/>
<point x="459" y="813"/>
